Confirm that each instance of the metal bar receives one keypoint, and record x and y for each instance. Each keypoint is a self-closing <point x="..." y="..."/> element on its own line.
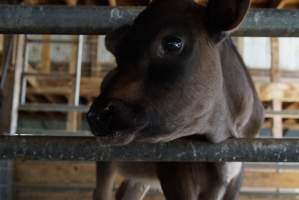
<point x="17" y="83"/>
<point x="78" y="70"/>
<point x="24" y="70"/>
<point x="6" y="61"/>
<point x="37" y="107"/>
<point x="100" y="20"/>
<point x="94" y="149"/>
<point x="271" y="23"/>
<point x="43" y="41"/>
<point x="52" y="75"/>
<point x="57" y="41"/>
<point x="51" y="132"/>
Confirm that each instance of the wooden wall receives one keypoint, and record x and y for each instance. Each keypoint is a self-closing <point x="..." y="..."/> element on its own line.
<point x="76" y="180"/>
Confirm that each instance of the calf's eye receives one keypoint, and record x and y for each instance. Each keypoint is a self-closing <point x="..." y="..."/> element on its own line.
<point x="172" y="44"/>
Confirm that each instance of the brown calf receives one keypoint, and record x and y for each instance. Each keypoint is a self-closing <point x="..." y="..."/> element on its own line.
<point x="178" y="75"/>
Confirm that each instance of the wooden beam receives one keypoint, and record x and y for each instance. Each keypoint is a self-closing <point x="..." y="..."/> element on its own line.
<point x="112" y="2"/>
<point x="275" y="3"/>
<point x="285" y="3"/>
<point x="275" y="70"/>
<point x="72" y="123"/>
<point x="1" y="44"/>
<point x="46" y="55"/>
<point x="95" y="56"/>
<point x="77" y="174"/>
<point x="71" y="2"/>
<point x="277" y="129"/>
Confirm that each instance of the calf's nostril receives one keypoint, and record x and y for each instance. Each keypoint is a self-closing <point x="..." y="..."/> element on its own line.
<point x="92" y="116"/>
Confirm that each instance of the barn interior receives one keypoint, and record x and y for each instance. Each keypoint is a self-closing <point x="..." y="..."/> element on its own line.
<point x="48" y="104"/>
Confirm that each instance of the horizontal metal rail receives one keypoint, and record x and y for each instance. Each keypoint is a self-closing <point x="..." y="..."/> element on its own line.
<point x="42" y="41"/>
<point x="58" y="41"/>
<point x="39" y="107"/>
<point x="44" y="107"/>
<point x="93" y="149"/>
<point x="49" y="75"/>
<point x="100" y="20"/>
<point x="52" y="132"/>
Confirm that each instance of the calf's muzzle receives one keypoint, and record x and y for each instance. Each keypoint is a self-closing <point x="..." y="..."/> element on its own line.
<point x="114" y="116"/>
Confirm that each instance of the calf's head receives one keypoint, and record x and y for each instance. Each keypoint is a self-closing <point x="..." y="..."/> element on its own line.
<point x="168" y="81"/>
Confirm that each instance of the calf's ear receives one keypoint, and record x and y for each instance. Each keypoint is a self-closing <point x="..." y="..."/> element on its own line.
<point x="226" y="15"/>
<point x="115" y="37"/>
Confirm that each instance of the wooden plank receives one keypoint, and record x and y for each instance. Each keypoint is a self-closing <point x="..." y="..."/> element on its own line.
<point x="90" y="87"/>
<point x="112" y="2"/>
<point x="66" y="196"/>
<point x="32" y="173"/>
<point x="268" y="91"/>
<point x="283" y="179"/>
<point x="88" y="196"/>
<point x="53" y="195"/>
<point x="53" y="173"/>
<point x="285" y="3"/>
<point x="266" y="198"/>
<point x="71" y="2"/>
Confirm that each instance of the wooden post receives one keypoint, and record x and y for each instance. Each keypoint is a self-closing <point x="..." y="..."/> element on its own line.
<point x="277" y="129"/>
<point x="71" y="124"/>
<point x="240" y="45"/>
<point x="46" y="55"/>
<point x="95" y="57"/>
<point x="112" y="2"/>
<point x="71" y="2"/>
<point x="1" y="44"/>
<point x="74" y="118"/>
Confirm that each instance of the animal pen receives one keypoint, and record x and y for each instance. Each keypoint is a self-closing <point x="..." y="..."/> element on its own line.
<point x="22" y="177"/>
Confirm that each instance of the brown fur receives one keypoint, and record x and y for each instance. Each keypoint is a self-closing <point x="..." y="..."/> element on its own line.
<point x="155" y="95"/>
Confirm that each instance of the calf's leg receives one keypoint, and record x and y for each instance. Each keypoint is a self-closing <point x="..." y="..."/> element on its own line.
<point x="177" y="181"/>
<point x="106" y="172"/>
<point x="132" y="189"/>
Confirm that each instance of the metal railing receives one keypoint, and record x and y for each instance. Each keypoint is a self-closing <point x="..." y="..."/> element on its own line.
<point x="95" y="20"/>
<point x="100" y="20"/>
<point x="96" y="149"/>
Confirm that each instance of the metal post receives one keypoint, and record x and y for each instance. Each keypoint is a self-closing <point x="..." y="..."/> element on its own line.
<point x="25" y="69"/>
<point x="6" y="167"/>
<point x="78" y="70"/>
<point x="17" y="84"/>
<point x="7" y="61"/>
